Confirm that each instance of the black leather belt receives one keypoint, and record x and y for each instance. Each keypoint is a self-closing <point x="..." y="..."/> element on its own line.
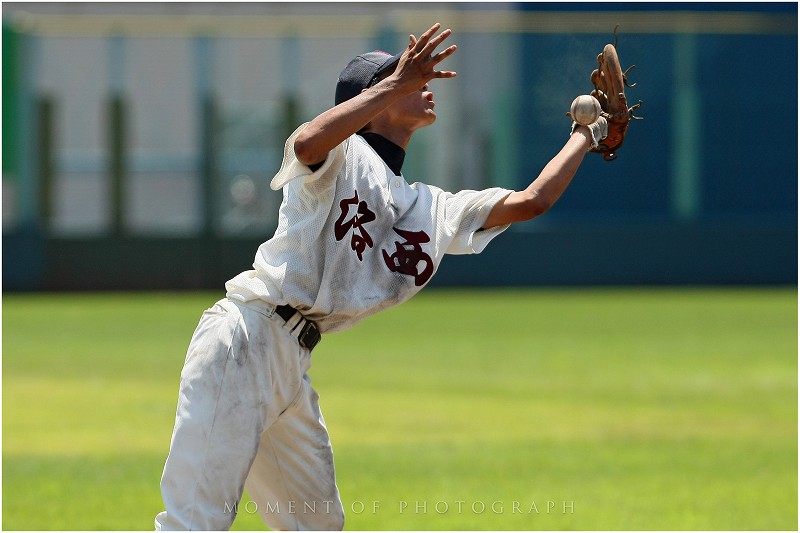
<point x="309" y="335"/>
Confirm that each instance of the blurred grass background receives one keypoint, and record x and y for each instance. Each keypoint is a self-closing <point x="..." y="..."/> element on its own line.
<point x="618" y="408"/>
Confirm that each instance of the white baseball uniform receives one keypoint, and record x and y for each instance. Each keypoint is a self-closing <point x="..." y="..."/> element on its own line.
<point x="352" y="239"/>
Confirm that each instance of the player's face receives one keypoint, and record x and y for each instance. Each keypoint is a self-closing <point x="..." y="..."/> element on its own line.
<point x="414" y="110"/>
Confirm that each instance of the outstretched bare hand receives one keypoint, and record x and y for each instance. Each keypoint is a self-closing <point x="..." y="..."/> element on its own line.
<point x="417" y="64"/>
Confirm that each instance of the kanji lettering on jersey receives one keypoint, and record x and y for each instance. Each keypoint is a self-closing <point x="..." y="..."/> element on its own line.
<point x="360" y="239"/>
<point x="409" y="258"/>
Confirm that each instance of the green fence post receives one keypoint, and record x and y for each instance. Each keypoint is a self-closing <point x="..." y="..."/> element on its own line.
<point x="45" y="114"/>
<point x="686" y="168"/>
<point x="10" y="102"/>
<point x="117" y="123"/>
<point x="116" y="162"/>
<point x="203" y="54"/>
<point x="289" y="114"/>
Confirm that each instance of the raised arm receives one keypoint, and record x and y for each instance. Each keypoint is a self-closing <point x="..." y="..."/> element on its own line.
<point x="415" y="68"/>
<point x="551" y="183"/>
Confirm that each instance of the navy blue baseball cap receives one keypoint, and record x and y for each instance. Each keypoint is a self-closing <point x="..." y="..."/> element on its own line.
<point x="363" y="72"/>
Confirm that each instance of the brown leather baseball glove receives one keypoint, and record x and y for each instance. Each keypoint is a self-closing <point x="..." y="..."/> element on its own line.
<point x="609" y="82"/>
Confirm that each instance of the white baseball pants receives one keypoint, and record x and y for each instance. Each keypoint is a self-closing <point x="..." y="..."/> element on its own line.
<point x="248" y="417"/>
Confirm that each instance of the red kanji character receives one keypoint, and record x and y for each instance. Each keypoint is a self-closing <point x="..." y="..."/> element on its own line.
<point x="408" y="255"/>
<point x="358" y="242"/>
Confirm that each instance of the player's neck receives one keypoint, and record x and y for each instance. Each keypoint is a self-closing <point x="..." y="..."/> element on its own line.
<point x="398" y="136"/>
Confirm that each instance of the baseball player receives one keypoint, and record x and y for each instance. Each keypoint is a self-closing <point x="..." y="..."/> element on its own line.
<point x="353" y="238"/>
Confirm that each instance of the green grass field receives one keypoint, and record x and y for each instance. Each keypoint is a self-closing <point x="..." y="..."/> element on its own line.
<point x="599" y="409"/>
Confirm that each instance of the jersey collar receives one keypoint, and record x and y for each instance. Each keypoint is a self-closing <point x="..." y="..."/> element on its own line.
<point x="391" y="154"/>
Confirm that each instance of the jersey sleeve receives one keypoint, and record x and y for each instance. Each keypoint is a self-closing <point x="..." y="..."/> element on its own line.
<point x="465" y="213"/>
<point x="292" y="169"/>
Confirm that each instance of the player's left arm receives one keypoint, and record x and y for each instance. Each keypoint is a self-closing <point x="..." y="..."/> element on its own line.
<point x="547" y="188"/>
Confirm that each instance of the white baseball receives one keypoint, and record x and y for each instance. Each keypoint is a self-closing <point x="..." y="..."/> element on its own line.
<point x="585" y="109"/>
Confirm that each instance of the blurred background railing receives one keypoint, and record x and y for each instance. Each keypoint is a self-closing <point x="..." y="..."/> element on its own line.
<point x="139" y="139"/>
